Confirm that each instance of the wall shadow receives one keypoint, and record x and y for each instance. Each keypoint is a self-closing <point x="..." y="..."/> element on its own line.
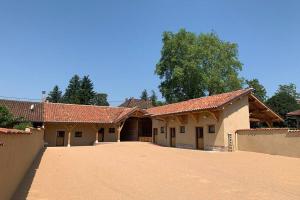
<point x="24" y="187"/>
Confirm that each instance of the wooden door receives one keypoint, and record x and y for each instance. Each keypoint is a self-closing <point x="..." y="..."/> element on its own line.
<point x="155" y="135"/>
<point x="60" y="138"/>
<point x="101" y="135"/>
<point x="172" y="137"/>
<point x="199" y="138"/>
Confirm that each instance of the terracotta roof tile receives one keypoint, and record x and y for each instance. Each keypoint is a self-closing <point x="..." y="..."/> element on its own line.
<point x="58" y="112"/>
<point x="203" y="103"/>
<point x="140" y="103"/>
<point x="23" y="109"/>
<point x="294" y="113"/>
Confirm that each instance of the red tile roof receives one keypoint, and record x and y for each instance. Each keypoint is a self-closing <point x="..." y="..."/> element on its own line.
<point x="294" y="113"/>
<point x="31" y="111"/>
<point x="203" y="103"/>
<point x="12" y="131"/>
<point x="58" y="112"/>
<point x="140" y="103"/>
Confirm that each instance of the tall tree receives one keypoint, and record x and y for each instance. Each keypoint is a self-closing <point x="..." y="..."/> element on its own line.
<point x="192" y="66"/>
<point x="72" y="93"/>
<point x="55" y="96"/>
<point x="86" y="93"/>
<point x="100" y="99"/>
<point x="283" y="103"/>
<point x="260" y="90"/>
<point x="144" y="95"/>
<point x="291" y="89"/>
<point x="153" y="98"/>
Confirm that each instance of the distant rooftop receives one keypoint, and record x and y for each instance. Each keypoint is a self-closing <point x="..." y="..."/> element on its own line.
<point x="140" y="103"/>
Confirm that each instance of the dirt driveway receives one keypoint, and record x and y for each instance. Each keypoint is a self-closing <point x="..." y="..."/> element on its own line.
<point x="141" y="171"/>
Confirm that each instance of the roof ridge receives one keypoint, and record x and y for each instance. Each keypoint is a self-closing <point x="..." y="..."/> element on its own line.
<point x="73" y="104"/>
<point x="21" y="101"/>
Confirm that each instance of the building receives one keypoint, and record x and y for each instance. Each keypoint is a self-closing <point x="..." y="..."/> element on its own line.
<point x="30" y="111"/>
<point x="140" y="103"/>
<point x="210" y="122"/>
<point x="295" y="117"/>
<point x="202" y="123"/>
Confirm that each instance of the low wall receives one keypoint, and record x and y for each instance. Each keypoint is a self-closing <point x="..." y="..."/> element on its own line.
<point x="271" y="141"/>
<point x="18" y="150"/>
<point x="145" y="139"/>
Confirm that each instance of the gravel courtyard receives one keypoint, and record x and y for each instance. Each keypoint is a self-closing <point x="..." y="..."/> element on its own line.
<point x="133" y="170"/>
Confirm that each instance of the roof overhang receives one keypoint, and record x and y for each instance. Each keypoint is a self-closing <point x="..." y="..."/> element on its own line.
<point x="260" y="112"/>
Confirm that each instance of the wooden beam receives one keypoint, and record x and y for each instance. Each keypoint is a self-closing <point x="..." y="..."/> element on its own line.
<point x="182" y="119"/>
<point x="196" y="117"/>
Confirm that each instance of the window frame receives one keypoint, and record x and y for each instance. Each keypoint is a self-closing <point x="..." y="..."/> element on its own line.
<point x="76" y="134"/>
<point x="212" y="131"/>
<point x="110" y="130"/>
<point x="162" y="129"/>
<point x="181" y="129"/>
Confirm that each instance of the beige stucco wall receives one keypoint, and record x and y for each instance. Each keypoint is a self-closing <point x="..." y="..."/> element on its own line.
<point x="236" y="117"/>
<point x="188" y="139"/>
<point x="233" y="117"/>
<point x="89" y="132"/>
<point x="270" y="141"/>
<point x="16" y="156"/>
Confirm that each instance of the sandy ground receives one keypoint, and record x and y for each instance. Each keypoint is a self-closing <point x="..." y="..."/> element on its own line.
<point x="145" y="171"/>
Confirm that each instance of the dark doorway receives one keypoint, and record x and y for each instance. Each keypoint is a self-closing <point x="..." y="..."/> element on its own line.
<point x="172" y="137"/>
<point x="199" y="138"/>
<point x="60" y="138"/>
<point x="135" y="127"/>
<point x="101" y="135"/>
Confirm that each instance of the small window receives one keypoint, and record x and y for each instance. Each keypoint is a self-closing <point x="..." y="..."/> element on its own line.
<point x="112" y="130"/>
<point x="162" y="129"/>
<point x="211" y="129"/>
<point x="78" y="134"/>
<point x="182" y="129"/>
<point x="155" y="131"/>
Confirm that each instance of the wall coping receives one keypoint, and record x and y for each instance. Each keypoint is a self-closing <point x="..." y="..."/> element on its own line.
<point x="265" y="129"/>
<point x="16" y="131"/>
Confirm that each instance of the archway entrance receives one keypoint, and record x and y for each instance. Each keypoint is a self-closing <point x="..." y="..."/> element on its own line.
<point x="136" y="127"/>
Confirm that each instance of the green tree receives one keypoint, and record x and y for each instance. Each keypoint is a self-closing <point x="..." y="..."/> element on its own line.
<point x="144" y="95"/>
<point x="6" y="118"/>
<point x="100" y="99"/>
<point x="291" y="89"/>
<point x="86" y="93"/>
<point x="153" y="98"/>
<point x="193" y="65"/>
<point x="282" y="103"/>
<point x="260" y="90"/>
<point x="72" y="93"/>
<point x="55" y="96"/>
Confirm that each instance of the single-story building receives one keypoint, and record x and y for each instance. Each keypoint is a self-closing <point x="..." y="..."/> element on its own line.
<point x="202" y="123"/>
<point x="295" y="117"/>
<point x="209" y="122"/>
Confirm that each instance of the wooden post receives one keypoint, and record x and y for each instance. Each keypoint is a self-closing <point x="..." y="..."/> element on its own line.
<point x="96" y="128"/>
<point x="69" y="138"/>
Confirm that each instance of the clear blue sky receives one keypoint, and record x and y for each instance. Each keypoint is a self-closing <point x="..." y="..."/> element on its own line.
<point x="118" y="43"/>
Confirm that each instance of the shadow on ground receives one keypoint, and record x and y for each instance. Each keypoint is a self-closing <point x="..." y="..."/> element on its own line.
<point x="24" y="187"/>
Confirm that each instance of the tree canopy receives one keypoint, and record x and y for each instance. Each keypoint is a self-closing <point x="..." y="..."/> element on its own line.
<point x="55" y="95"/>
<point x="144" y="95"/>
<point x="291" y="89"/>
<point x="193" y="65"/>
<point x="260" y="90"/>
<point x="283" y="102"/>
<point x="79" y="91"/>
<point x="153" y="98"/>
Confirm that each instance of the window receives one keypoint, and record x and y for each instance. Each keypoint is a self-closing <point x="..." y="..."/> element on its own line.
<point x="182" y="129"/>
<point x="155" y="131"/>
<point x="162" y="129"/>
<point x="112" y="130"/>
<point x="211" y="129"/>
<point x="78" y="134"/>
